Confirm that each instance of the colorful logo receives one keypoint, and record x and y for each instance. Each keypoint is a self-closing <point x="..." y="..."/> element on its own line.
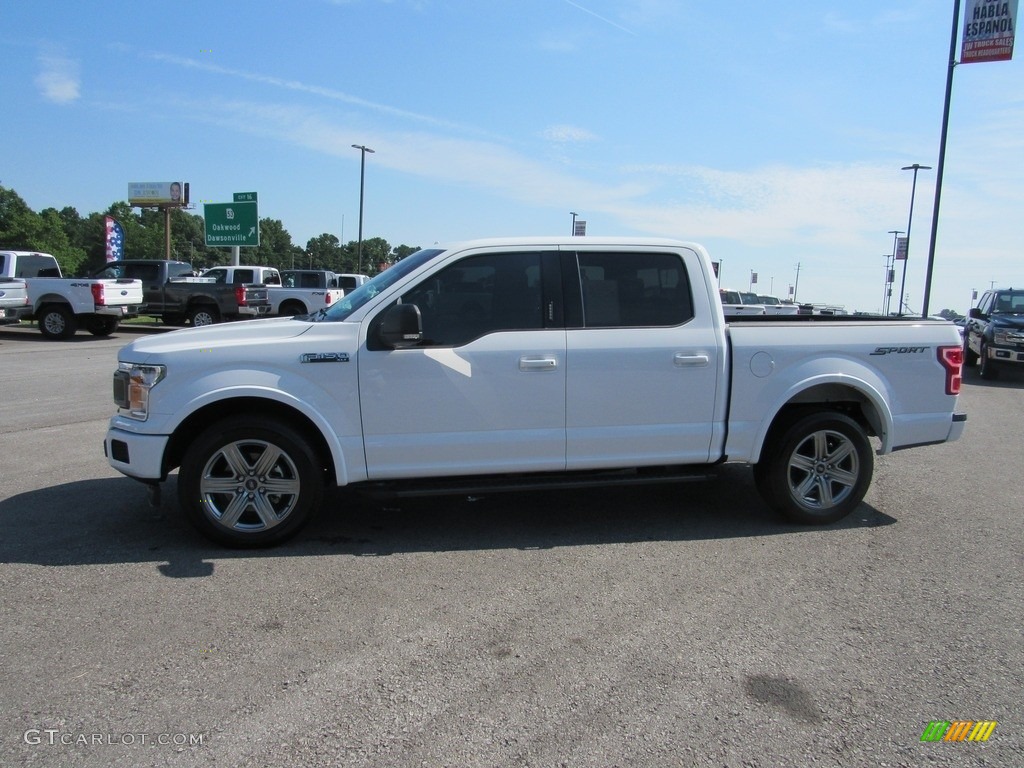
<point x="958" y="730"/>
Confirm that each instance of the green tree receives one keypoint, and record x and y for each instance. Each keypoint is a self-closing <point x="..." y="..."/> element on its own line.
<point x="324" y="252"/>
<point x="23" y="229"/>
<point x="399" y="252"/>
<point x="376" y="252"/>
<point x="275" y="249"/>
<point x="18" y="223"/>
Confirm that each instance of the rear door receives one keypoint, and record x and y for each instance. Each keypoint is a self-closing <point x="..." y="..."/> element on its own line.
<point x="485" y="390"/>
<point x="642" y="368"/>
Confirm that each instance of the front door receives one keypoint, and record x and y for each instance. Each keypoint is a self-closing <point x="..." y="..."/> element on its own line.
<point x="484" y="392"/>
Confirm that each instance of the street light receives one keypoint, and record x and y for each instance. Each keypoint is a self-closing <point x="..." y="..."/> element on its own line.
<point x="574" y="215"/>
<point x="887" y="299"/>
<point x="362" y="180"/>
<point x="915" y="168"/>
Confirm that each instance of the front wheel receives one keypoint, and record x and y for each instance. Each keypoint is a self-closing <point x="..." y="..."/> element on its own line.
<point x="57" y="322"/>
<point x="816" y="470"/>
<point x="100" y="325"/>
<point x="249" y="482"/>
<point x="970" y="356"/>
<point x="986" y="367"/>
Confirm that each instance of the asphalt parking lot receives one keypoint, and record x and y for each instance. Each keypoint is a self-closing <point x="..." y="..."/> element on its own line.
<point x="662" y="625"/>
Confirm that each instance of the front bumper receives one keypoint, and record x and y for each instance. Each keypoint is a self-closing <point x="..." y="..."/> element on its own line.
<point x="136" y="455"/>
<point x="1005" y="354"/>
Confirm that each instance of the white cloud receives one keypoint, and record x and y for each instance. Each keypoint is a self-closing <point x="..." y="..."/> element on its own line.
<point x="564" y="134"/>
<point x="58" y="78"/>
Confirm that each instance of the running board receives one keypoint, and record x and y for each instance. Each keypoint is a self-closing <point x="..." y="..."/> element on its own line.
<point x="483" y="484"/>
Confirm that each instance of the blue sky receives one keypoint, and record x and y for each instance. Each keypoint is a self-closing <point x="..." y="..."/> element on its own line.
<point x="772" y="133"/>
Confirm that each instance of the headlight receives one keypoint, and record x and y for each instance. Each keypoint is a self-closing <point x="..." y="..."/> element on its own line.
<point x="999" y="336"/>
<point x="132" y="383"/>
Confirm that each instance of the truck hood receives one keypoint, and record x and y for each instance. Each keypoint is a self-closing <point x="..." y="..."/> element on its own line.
<point x="246" y="333"/>
<point x="1007" y="321"/>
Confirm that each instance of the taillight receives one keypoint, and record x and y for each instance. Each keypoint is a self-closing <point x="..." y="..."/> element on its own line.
<point x="97" y="294"/>
<point x="240" y="295"/>
<point x="952" y="360"/>
<point x="328" y="301"/>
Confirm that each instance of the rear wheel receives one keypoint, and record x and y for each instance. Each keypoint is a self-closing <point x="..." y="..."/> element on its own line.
<point x="99" y="325"/>
<point x="292" y="308"/>
<point x="203" y="315"/>
<point x="817" y="469"/>
<point x="250" y="482"/>
<point x="57" y="322"/>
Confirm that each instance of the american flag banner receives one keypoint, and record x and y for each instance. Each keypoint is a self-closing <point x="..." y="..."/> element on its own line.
<point x="115" y="239"/>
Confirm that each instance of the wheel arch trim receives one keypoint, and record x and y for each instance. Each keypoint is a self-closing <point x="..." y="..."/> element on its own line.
<point x="830" y="390"/>
<point x="262" y="402"/>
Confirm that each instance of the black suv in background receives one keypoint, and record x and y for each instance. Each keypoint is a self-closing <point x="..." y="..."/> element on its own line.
<point x="994" y="335"/>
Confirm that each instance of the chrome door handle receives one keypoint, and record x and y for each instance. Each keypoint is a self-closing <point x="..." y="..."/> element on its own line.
<point x="690" y="361"/>
<point x="537" y="363"/>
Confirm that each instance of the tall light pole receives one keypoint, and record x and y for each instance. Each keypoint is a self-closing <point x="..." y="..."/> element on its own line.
<point x="887" y="300"/>
<point x="913" y="189"/>
<point x="362" y="182"/>
<point x="574" y="215"/>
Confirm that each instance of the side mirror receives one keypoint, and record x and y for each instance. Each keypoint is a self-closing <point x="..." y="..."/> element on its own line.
<point x="401" y="326"/>
<point x="975" y="313"/>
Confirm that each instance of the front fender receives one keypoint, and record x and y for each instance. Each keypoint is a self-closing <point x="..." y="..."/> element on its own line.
<point x="334" y="414"/>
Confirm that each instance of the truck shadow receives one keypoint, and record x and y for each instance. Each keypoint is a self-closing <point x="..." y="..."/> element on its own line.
<point x="28" y="331"/>
<point x="1009" y="378"/>
<point x="71" y="524"/>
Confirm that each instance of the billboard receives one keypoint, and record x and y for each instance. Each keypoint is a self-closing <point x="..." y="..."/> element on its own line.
<point x="156" y="193"/>
<point x="988" y="30"/>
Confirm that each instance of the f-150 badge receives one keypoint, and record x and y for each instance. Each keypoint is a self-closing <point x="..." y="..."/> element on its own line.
<point x="324" y="357"/>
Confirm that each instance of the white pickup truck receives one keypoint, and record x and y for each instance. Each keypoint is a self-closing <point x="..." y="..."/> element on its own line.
<point x="303" y="291"/>
<point x="62" y="304"/>
<point x="499" y="364"/>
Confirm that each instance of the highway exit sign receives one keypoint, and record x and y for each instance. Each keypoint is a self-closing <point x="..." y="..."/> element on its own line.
<point x="231" y="224"/>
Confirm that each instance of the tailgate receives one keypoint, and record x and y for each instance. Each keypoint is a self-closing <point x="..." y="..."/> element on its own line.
<point x="120" y="292"/>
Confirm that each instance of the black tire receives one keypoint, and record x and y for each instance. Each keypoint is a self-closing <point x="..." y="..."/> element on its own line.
<point x="970" y="357"/>
<point x="227" y="497"/>
<point x="986" y="367"/>
<point x="99" y="325"/>
<point x="817" y="469"/>
<point x="203" y="315"/>
<point x="292" y="308"/>
<point x="57" y="322"/>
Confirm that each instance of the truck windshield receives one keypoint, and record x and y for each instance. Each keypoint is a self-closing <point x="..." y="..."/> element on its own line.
<point x="353" y="301"/>
<point x="1009" y="303"/>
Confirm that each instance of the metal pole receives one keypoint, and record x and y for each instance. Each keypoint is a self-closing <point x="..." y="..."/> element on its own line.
<point x="942" y="158"/>
<point x="888" y="298"/>
<point x="362" y="180"/>
<point x="574" y="215"/>
<point x="913" y="190"/>
<point x="167" y="232"/>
